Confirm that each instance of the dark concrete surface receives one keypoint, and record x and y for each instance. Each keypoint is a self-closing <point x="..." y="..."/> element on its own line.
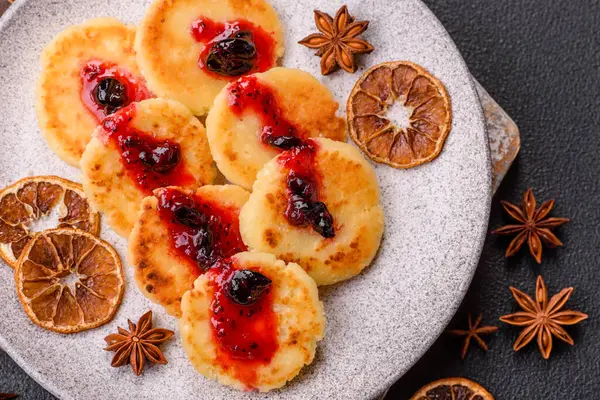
<point x="540" y="59"/>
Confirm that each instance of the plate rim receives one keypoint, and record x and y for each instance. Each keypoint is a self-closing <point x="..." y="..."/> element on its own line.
<point x="472" y="262"/>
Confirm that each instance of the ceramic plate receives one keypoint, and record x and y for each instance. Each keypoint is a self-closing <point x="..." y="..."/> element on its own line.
<point x="379" y="323"/>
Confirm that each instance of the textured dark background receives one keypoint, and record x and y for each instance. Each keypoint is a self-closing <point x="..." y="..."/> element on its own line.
<point x="540" y="59"/>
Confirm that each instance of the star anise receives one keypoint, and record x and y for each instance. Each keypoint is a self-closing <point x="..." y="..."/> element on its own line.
<point x="138" y="344"/>
<point x="337" y="43"/>
<point x="473" y="333"/>
<point x="533" y="226"/>
<point x="542" y="318"/>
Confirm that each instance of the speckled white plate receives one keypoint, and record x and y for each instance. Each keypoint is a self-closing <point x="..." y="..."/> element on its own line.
<point x="379" y="323"/>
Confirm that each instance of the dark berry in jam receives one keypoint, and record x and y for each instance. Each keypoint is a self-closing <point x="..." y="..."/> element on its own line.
<point x="156" y="156"/>
<point x="106" y="88"/>
<point x="202" y="231"/>
<point x="246" y="287"/>
<point x="197" y="242"/>
<point x="189" y="216"/>
<point x="321" y="219"/>
<point x="304" y="208"/>
<point x="111" y="94"/>
<point x="282" y="142"/>
<point x="233" y="56"/>
<point x="298" y="210"/>
<point x="202" y="241"/>
<point x="301" y="186"/>
<point x="161" y="158"/>
<point x="233" y="48"/>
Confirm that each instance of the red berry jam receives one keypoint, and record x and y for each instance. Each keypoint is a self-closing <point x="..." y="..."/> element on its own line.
<point x="107" y="88"/>
<point x="202" y="231"/>
<point x="304" y="208"/>
<point x="246" y="334"/>
<point x="249" y="94"/>
<point x="233" y="48"/>
<point x="151" y="163"/>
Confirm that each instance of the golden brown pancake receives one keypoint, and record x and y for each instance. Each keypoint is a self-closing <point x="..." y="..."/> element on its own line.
<point x="298" y="324"/>
<point x="112" y="185"/>
<point x="348" y="187"/>
<point x="168" y="52"/>
<point x="64" y="119"/>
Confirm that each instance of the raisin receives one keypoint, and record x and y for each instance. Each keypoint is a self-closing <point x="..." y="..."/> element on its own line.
<point x="198" y="246"/>
<point x="321" y="219"/>
<point x="197" y="243"/>
<point x="300" y="186"/>
<point x="189" y="216"/>
<point x="281" y="142"/>
<point x="111" y="94"/>
<point x="203" y="241"/>
<point x="232" y="56"/>
<point x="246" y="287"/>
<point x="162" y="158"/>
<point x="297" y="210"/>
<point x="304" y="208"/>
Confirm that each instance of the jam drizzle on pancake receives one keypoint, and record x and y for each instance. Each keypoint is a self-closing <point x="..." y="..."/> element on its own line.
<point x="202" y="231"/>
<point x="246" y="335"/>
<point x="233" y="48"/>
<point x="150" y="162"/>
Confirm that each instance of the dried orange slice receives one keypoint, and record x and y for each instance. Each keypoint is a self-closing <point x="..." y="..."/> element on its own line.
<point x="69" y="280"/>
<point x="399" y="114"/>
<point x="452" y="388"/>
<point x="25" y="202"/>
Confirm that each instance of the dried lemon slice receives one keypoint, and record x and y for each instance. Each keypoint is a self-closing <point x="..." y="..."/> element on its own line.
<point x="452" y="388"/>
<point x="399" y="114"/>
<point x="69" y="280"/>
<point x="26" y="201"/>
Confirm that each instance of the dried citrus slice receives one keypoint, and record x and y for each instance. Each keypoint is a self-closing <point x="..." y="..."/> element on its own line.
<point x="28" y="200"/>
<point x="452" y="389"/>
<point x="69" y="280"/>
<point x="399" y="114"/>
